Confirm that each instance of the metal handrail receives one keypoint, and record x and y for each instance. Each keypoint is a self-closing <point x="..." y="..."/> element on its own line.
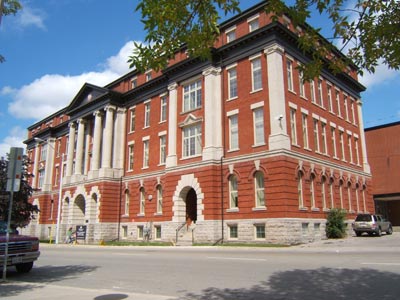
<point x="179" y="229"/>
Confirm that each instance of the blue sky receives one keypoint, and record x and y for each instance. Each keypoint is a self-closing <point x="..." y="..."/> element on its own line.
<point x="52" y="47"/>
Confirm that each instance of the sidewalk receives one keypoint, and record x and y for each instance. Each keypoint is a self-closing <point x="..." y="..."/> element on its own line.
<point x="33" y="291"/>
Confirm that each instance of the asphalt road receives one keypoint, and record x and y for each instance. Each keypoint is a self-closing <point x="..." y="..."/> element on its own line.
<point x="366" y="268"/>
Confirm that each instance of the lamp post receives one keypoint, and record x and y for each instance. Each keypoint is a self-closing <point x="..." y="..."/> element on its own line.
<point x="60" y="190"/>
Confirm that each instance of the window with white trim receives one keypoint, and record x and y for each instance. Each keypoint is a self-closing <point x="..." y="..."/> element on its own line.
<point x="233" y="133"/>
<point x="258" y="115"/>
<point x="330" y="104"/>
<point x="232" y="83"/>
<point x="146" y="149"/>
<point x="142" y="201"/>
<point x="323" y="138"/>
<point x="254" y="23"/>
<point x="163" y="149"/>
<point x="333" y="139"/>
<point x="339" y="110"/>
<point x="159" y="199"/>
<point x="293" y="126"/>
<point x="130" y="156"/>
<point x="349" y="196"/>
<point x="331" y="191"/>
<point x="323" y="191"/>
<point x="192" y="93"/>
<point x="233" y="192"/>
<point x="300" y="182"/>
<point x="316" y="135"/>
<point x="289" y="74"/>
<point x="349" y="144"/>
<point x="259" y="231"/>
<point x="304" y="125"/>
<point x="353" y="113"/>
<point x="356" y="148"/>
<point x="320" y="95"/>
<point x="341" y="142"/>
<point x="259" y="189"/>
<point x="41" y="178"/>
<point x="43" y="152"/>
<point x="346" y="108"/>
<point x="192" y="140"/>
<point x="256" y="74"/>
<point x="134" y="82"/>
<point x="146" y="114"/>
<point x="312" y="191"/>
<point x="126" y="204"/>
<point x="312" y="91"/>
<point x="341" y="193"/>
<point x="230" y="34"/>
<point x="302" y="84"/>
<point x="233" y="231"/>
<point x="163" y="108"/>
<point x="133" y="119"/>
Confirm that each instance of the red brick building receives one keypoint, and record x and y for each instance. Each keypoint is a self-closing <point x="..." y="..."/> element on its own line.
<point x="383" y="145"/>
<point x="240" y="147"/>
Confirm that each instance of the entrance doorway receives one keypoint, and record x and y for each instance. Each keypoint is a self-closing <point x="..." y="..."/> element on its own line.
<point x="191" y="206"/>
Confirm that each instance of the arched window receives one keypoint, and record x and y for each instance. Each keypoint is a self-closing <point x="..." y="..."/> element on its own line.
<point x="341" y="193"/>
<point x="357" y="197"/>
<point x="127" y="200"/>
<point x="331" y="192"/>
<point x="312" y="190"/>
<point x="142" y="200"/>
<point x="300" y="179"/>
<point x="349" y="195"/>
<point x="259" y="189"/>
<point x="323" y="192"/>
<point x="159" y="199"/>
<point x="233" y="192"/>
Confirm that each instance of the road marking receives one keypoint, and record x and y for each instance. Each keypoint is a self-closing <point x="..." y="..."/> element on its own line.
<point x="236" y="258"/>
<point x="382" y="264"/>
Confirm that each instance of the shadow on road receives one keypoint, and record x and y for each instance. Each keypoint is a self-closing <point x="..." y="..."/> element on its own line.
<point x="40" y="275"/>
<point x="323" y="283"/>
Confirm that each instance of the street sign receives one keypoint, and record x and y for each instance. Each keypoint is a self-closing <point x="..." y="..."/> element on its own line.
<point x="81" y="232"/>
<point x="14" y="169"/>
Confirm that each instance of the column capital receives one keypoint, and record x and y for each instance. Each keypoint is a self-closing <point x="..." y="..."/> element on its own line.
<point x="172" y="86"/>
<point x="72" y="124"/>
<point x="110" y="108"/>
<point x="211" y="71"/>
<point x="98" y="113"/>
<point x="121" y="110"/>
<point x="81" y="121"/>
<point x="274" y="48"/>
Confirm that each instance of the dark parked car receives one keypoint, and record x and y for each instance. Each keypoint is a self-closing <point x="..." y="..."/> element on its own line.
<point x="371" y="224"/>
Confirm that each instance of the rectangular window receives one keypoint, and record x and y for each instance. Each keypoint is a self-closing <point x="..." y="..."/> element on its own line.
<point x="57" y="176"/>
<point x="146" y="114"/>
<point x="163" y="149"/>
<point x="356" y="148"/>
<point x="346" y="108"/>
<point x="142" y="201"/>
<point x="148" y="76"/>
<point x="302" y="84"/>
<point x="233" y="231"/>
<point x="192" y="96"/>
<point x="163" y="112"/>
<point x="43" y="152"/>
<point x="312" y="191"/>
<point x="159" y="199"/>
<point x="305" y="131"/>
<point x="133" y="119"/>
<point x="260" y="231"/>
<point x="233" y="191"/>
<point x="339" y="110"/>
<point x="320" y="96"/>
<point x="41" y="178"/>
<point x="134" y="82"/>
<point x="353" y="113"/>
<point x="232" y="82"/>
<point x="230" y="34"/>
<point x="192" y="140"/>
<point x="158" y="232"/>
<point x="300" y="189"/>
<point x="293" y="126"/>
<point x="253" y="23"/>
<point x="312" y="91"/>
<point x="130" y="157"/>
<point x="127" y="200"/>
<point x="349" y="142"/>
<point x="333" y="139"/>
<point x="140" y="232"/>
<point x="124" y="232"/>
<point x="316" y="136"/>
<point x="323" y="137"/>
<point x="341" y="141"/>
<point x="256" y="74"/>
<point x="146" y="154"/>
<point x="233" y="133"/>
<point x="258" y="115"/>
<point x="330" y="104"/>
<point x="289" y="73"/>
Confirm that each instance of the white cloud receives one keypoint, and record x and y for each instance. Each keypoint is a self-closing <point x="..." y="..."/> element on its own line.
<point x="31" y="17"/>
<point x="15" y="138"/>
<point x="52" y="92"/>
<point x="382" y="75"/>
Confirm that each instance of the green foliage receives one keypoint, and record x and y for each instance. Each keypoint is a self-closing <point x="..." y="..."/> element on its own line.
<point x="10" y="7"/>
<point x="368" y="30"/>
<point x="335" y="224"/>
<point x="22" y="210"/>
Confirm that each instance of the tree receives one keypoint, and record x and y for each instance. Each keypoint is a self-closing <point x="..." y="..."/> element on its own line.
<point x="8" y="7"/>
<point x="368" y="30"/>
<point x="335" y="224"/>
<point x="22" y="210"/>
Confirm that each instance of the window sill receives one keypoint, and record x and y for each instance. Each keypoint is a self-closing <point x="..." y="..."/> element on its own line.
<point x="189" y="157"/>
<point x="292" y="92"/>
<point x="302" y="208"/>
<point x="259" y="145"/>
<point x="259" y="208"/>
<point x="158" y="214"/>
<point x="234" y="209"/>
<point x="140" y="215"/>
<point x="233" y="150"/>
<point x="256" y="91"/>
<point x="233" y="98"/>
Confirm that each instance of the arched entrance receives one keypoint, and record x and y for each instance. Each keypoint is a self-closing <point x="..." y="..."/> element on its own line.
<point x="191" y="205"/>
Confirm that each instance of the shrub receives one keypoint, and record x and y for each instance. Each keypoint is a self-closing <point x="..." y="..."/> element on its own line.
<point x="335" y="224"/>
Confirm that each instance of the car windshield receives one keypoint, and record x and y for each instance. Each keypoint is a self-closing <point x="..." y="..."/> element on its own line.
<point x="3" y="228"/>
<point x="363" y="218"/>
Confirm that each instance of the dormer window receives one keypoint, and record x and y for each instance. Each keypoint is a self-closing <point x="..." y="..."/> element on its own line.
<point x="134" y="82"/>
<point x="148" y="76"/>
<point x="253" y="23"/>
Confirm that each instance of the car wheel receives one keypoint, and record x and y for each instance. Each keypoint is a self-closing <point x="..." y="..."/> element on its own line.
<point x="24" y="268"/>
<point x="390" y="230"/>
<point x="379" y="232"/>
<point x="358" y="233"/>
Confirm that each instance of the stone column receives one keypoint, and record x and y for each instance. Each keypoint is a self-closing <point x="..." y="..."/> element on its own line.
<point x="71" y="146"/>
<point x="119" y="140"/>
<point x="35" y="167"/>
<point x="98" y="126"/>
<point x="48" y="170"/>
<point x="212" y="114"/>
<point x="80" y="145"/>
<point x="366" y="165"/>
<point x="108" y="138"/>
<point x="279" y="138"/>
<point x="171" y="160"/>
